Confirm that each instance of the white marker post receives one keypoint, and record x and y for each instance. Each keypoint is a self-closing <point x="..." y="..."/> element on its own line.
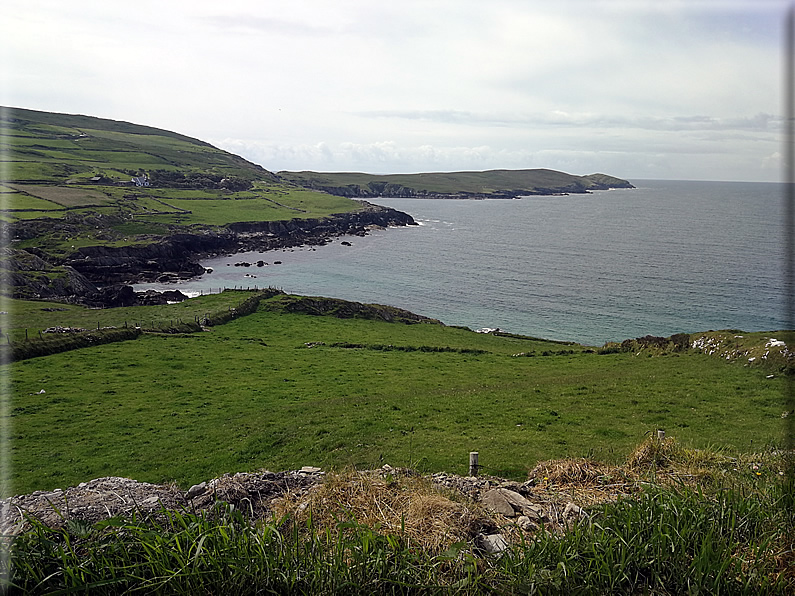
<point x="473" y="463"/>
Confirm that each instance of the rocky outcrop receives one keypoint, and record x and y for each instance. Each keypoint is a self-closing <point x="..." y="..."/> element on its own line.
<point x="174" y="257"/>
<point x="256" y="494"/>
<point x="98" y="275"/>
<point x="177" y="256"/>
<point x="346" y="309"/>
<point x="28" y="276"/>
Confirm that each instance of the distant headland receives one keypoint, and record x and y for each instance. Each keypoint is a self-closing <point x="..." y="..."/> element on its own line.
<point x="490" y="184"/>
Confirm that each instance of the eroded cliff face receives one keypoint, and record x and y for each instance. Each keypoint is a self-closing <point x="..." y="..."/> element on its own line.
<point x="177" y="256"/>
<point x="25" y="275"/>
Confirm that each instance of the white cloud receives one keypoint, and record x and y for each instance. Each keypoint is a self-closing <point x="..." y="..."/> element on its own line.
<point x="398" y="86"/>
<point x="558" y="118"/>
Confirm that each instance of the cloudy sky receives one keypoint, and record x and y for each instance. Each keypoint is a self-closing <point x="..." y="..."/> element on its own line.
<point x="638" y="89"/>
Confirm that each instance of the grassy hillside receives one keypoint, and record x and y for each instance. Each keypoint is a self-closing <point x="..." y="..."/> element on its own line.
<point x="279" y="389"/>
<point x="489" y="183"/>
<point x="58" y="148"/>
<point x="67" y="182"/>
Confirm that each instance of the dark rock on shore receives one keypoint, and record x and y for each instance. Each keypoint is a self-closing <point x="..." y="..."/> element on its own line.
<point x="151" y="297"/>
<point x="78" y="277"/>
<point x="178" y="255"/>
<point x="28" y="276"/>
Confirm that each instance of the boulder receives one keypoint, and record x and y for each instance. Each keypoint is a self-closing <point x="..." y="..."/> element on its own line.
<point x="520" y="504"/>
<point x="174" y="296"/>
<point x="116" y="295"/>
<point x="510" y="504"/>
<point x="492" y="544"/>
<point x="496" y="501"/>
<point x="196" y="490"/>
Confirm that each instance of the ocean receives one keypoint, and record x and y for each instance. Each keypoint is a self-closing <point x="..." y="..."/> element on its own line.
<point x="663" y="258"/>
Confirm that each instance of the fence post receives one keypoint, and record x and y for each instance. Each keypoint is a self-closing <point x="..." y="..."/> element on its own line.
<point x="473" y="463"/>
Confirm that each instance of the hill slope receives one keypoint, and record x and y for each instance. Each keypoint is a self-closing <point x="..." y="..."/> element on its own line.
<point x="57" y="148"/>
<point x="488" y="184"/>
<point x="322" y="382"/>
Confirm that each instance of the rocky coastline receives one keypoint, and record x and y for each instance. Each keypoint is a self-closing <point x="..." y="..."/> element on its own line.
<point x="101" y="275"/>
<point x="177" y="256"/>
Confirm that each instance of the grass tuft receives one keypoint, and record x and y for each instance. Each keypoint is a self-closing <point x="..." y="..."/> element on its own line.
<point x="411" y="507"/>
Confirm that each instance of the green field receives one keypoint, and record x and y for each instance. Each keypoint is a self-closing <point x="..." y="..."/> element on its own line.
<point x="250" y="394"/>
<point x="18" y="200"/>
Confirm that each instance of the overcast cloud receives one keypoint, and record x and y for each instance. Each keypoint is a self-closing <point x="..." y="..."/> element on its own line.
<point x="637" y="89"/>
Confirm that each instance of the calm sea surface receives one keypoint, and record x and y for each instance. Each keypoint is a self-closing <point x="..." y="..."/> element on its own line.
<point x="666" y="257"/>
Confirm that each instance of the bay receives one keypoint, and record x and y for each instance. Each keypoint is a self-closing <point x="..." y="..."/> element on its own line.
<point x="665" y="257"/>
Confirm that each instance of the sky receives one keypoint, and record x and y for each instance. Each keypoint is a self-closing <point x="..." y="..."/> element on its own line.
<point x="661" y="89"/>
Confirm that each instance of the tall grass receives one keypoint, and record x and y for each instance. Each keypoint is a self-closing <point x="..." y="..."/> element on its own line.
<point x="735" y="540"/>
<point x="668" y="541"/>
<point x="221" y="553"/>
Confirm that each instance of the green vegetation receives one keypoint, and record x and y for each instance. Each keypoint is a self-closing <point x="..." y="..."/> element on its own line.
<point x="35" y="316"/>
<point x="249" y="380"/>
<point x="81" y="147"/>
<point x="730" y="537"/>
<point x="253" y="393"/>
<point x="22" y="201"/>
<point x="63" y="196"/>
<point x="492" y="183"/>
<point x="266" y="203"/>
<point x="67" y="170"/>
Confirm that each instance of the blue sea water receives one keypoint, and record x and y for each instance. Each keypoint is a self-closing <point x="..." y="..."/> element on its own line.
<point x="665" y="257"/>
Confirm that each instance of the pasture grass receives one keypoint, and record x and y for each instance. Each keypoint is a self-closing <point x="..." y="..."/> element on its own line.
<point x="270" y="203"/>
<point x="37" y="315"/>
<point x="251" y="394"/>
<point x="18" y="200"/>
